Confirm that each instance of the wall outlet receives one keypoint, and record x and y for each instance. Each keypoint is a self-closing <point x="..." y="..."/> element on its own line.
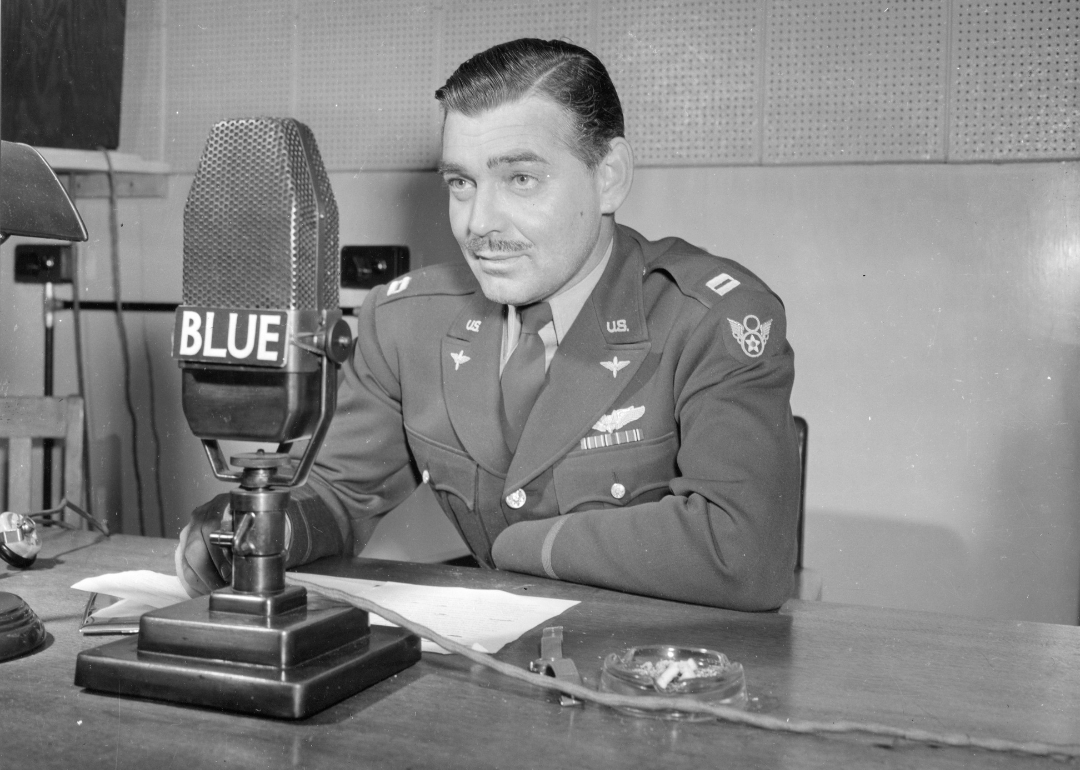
<point x="365" y="267"/>
<point x="43" y="263"/>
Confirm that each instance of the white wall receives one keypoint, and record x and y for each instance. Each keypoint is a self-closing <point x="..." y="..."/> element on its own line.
<point x="933" y="311"/>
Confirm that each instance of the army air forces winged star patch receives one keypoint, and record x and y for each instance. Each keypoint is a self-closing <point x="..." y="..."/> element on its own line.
<point x="752" y="334"/>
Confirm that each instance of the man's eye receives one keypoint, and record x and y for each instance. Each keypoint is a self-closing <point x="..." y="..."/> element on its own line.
<point x="523" y="180"/>
<point x="460" y="188"/>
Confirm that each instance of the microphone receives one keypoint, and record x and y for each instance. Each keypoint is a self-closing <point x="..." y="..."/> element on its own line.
<point x="258" y="338"/>
<point x="261" y="277"/>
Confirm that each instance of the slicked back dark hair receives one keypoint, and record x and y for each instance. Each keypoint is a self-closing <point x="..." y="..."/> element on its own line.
<point x="567" y="74"/>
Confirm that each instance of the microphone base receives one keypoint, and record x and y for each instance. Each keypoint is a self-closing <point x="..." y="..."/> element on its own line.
<point x="290" y="665"/>
<point x="21" y="630"/>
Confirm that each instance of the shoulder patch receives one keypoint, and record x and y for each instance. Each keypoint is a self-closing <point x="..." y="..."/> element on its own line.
<point x="452" y="279"/>
<point x="752" y="324"/>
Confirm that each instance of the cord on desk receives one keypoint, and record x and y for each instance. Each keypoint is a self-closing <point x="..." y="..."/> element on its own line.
<point x="60" y="508"/>
<point x="723" y="713"/>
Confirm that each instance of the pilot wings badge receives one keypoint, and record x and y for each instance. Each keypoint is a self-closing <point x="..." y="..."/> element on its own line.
<point x="751" y="334"/>
<point x="614" y="366"/>
<point x="459" y="359"/>
<point x="619" y="418"/>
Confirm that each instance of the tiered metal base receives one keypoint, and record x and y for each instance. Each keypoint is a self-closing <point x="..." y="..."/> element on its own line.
<point x="21" y="630"/>
<point x="299" y="656"/>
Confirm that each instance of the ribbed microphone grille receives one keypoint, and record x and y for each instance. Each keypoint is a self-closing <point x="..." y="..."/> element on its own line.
<point x="252" y="232"/>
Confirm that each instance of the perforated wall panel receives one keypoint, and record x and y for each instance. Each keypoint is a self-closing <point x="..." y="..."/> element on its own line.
<point x="688" y="76"/>
<point x="365" y="83"/>
<point x="702" y="81"/>
<point x="850" y="80"/>
<point x="225" y="60"/>
<point x="141" y="101"/>
<point x="1016" y="83"/>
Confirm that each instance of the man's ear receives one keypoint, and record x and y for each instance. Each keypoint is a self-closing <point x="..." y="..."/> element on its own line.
<point x="615" y="175"/>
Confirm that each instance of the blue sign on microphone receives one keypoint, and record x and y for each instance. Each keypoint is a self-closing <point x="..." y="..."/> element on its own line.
<point x="231" y="336"/>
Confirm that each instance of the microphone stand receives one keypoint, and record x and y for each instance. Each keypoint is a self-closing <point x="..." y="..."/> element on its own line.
<point x="258" y="646"/>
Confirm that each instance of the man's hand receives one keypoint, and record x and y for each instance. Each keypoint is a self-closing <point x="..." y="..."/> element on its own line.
<point x="310" y="533"/>
<point x="201" y="566"/>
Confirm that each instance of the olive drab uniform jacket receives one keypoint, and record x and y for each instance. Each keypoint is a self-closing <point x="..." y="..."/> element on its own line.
<point x="660" y="457"/>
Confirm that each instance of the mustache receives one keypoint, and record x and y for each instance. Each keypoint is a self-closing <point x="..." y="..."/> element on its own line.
<point x="494" y="245"/>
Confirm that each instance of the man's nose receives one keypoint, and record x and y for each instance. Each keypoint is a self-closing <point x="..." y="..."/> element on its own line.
<point x="487" y="214"/>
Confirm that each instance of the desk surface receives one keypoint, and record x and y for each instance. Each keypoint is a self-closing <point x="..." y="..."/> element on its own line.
<point x="1013" y="680"/>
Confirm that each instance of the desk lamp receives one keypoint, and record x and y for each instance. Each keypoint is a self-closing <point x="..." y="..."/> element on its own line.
<point x="32" y="203"/>
<point x="259" y="338"/>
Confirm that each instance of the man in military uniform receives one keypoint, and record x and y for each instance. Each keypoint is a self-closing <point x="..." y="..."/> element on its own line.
<point x="585" y="404"/>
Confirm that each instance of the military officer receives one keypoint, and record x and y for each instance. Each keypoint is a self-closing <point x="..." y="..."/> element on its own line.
<point x="585" y="404"/>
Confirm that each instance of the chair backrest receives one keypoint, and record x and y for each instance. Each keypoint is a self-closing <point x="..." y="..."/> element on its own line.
<point x="802" y="430"/>
<point x="24" y="419"/>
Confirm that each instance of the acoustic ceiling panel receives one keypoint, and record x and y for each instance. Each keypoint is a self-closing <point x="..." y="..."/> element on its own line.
<point x="1016" y="80"/>
<point x="702" y="82"/>
<point x="688" y="75"/>
<point x="471" y="26"/>
<point x="850" y="80"/>
<point x="224" y="60"/>
<point x="365" y="83"/>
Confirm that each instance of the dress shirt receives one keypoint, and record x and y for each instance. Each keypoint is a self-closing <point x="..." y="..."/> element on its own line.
<point x="565" y="306"/>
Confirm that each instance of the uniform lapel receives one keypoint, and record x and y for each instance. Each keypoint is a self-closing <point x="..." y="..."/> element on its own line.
<point x="610" y="328"/>
<point x="470" y="374"/>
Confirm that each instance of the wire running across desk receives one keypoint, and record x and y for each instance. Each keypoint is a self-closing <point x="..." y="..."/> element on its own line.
<point x="823" y="662"/>
<point x="723" y="713"/>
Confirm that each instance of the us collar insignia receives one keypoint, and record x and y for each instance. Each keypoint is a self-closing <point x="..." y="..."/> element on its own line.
<point x="751" y="334"/>
<point x="459" y="359"/>
<point x="614" y="366"/>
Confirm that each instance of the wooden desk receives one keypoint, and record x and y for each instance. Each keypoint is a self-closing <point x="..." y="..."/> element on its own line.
<point x="812" y="660"/>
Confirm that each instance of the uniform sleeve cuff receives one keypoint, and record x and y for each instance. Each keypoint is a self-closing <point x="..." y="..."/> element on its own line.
<point x="526" y="547"/>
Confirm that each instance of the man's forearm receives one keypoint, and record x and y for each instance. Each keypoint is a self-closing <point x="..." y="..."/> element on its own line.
<point x="681" y="548"/>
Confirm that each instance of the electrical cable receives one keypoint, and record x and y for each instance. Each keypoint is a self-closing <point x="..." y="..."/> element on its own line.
<point x="723" y="713"/>
<point x="80" y="375"/>
<point x="154" y="433"/>
<point x="114" y="234"/>
<point x="60" y="508"/>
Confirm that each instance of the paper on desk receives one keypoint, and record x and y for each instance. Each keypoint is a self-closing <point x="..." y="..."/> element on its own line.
<point x="483" y="619"/>
<point x="479" y="618"/>
<point x="139" y="591"/>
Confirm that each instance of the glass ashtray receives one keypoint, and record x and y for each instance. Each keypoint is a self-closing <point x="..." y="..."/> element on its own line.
<point x="668" y="671"/>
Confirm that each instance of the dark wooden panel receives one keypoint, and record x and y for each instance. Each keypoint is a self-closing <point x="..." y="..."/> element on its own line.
<point x="62" y="69"/>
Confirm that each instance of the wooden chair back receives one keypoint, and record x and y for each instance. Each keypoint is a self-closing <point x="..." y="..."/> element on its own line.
<point x="25" y="419"/>
<point x="808" y="583"/>
<point x="802" y="430"/>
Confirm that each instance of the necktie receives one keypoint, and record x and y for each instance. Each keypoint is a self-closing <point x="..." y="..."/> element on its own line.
<point x="524" y="373"/>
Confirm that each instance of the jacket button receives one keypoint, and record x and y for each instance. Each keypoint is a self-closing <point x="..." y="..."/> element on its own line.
<point x="618" y="491"/>
<point x="516" y="499"/>
<point x="425" y="477"/>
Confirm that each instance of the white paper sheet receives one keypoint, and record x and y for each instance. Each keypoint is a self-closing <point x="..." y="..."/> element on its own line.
<point x="483" y="619"/>
<point x="140" y="590"/>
